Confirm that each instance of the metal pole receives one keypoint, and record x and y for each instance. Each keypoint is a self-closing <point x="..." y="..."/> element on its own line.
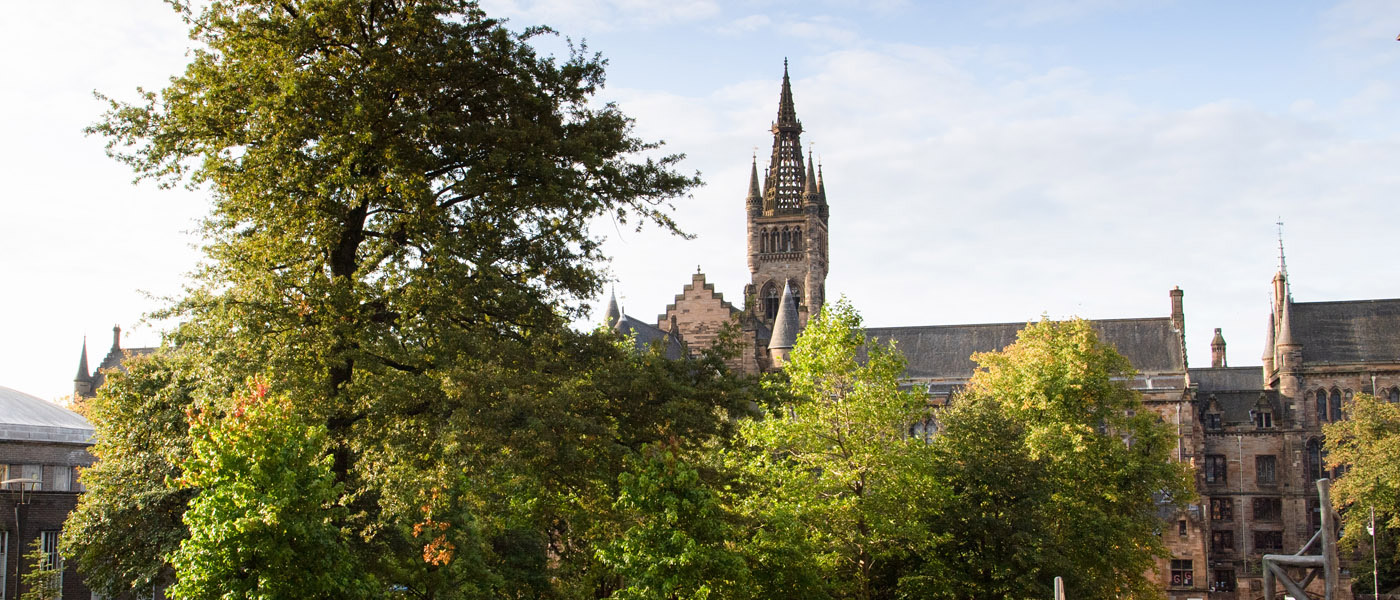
<point x="1375" y="567"/>
<point x="1059" y="588"/>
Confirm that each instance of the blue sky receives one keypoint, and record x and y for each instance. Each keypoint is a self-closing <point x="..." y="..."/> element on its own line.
<point x="985" y="161"/>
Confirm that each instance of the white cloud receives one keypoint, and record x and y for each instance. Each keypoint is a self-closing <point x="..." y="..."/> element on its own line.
<point x="747" y="24"/>
<point x="585" y="16"/>
<point x="1040" y="12"/>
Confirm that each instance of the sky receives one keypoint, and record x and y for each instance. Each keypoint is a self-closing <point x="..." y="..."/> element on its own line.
<point x="985" y="161"/>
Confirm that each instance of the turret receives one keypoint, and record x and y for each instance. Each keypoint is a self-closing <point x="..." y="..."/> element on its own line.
<point x="614" y="314"/>
<point x="82" y="383"/>
<point x="785" y="328"/>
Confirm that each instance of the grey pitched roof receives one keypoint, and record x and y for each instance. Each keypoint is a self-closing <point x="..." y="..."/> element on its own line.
<point x="945" y="351"/>
<point x="646" y="335"/>
<point x="1347" y="332"/>
<point x="1228" y="378"/>
<point x="1236" y="406"/>
<point x="28" y="418"/>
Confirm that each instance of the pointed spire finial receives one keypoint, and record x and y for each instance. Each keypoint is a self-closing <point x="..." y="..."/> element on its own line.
<point x="83" y="372"/>
<point x="614" y="314"/>
<point x="1282" y="263"/>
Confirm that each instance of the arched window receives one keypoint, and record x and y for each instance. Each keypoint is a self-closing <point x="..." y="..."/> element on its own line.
<point x="797" y="239"/>
<point x="763" y="240"/>
<point x="1321" y="406"/>
<point x="1334" y="404"/>
<point x="796" y="292"/>
<point x="1394" y="395"/>
<point x="1315" y="456"/>
<point x="770" y="300"/>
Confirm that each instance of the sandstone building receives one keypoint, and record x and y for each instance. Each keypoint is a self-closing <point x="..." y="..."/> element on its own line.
<point x="1252" y="434"/>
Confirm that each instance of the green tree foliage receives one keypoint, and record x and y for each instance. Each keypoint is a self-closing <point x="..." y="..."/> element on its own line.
<point x="1054" y="464"/>
<point x="262" y="525"/>
<point x="130" y="517"/>
<point x="679" y="541"/>
<point x="1367" y="443"/>
<point x="41" y="579"/>
<point x="834" y="467"/>
<point x="400" y="191"/>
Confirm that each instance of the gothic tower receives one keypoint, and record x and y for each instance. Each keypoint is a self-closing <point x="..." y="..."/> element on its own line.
<point x="786" y="223"/>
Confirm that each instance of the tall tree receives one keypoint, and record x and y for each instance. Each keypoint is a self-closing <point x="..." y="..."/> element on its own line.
<point x="1366" y="444"/>
<point x="836" y="462"/>
<point x="1084" y="459"/>
<point x="400" y="196"/>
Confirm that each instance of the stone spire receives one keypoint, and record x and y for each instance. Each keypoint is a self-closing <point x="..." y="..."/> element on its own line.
<point x="786" y="176"/>
<point x="1285" y="327"/>
<point x="83" y="372"/>
<point x="811" y="195"/>
<point x="1217" y="350"/>
<point x="785" y="324"/>
<point x="614" y="314"/>
<point x="755" y="198"/>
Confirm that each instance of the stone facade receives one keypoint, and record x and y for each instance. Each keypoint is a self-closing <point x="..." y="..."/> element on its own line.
<point x="1252" y="434"/>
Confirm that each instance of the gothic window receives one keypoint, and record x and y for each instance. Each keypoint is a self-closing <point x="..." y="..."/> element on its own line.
<point x="1222" y="509"/>
<point x="1321" y="406"/>
<point x="796" y="292"/>
<point x="797" y="239"/>
<point x="1394" y="395"/>
<point x="787" y="239"/>
<point x="773" y="241"/>
<point x="1315" y="456"/>
<point x="770" y="301"/>
<point x="1334" y="404"/>
<point x="763" y="240"/>
<point x="1222" y="541"/>
<point x="1265" y="467"/>
<point x="1215" y="468"/>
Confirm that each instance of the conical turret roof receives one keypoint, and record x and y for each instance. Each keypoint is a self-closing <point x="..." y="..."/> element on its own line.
<point x="83" y="372"/>
<point x="785" y="325"/>
<point x="614" y="314"/>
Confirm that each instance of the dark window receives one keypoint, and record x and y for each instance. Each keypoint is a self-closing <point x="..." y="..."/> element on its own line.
<point x="1268" y="540"/>
<point x="763" y="240"/>
<point x="1264" y="419"/>
<point x="1222" y="509"/>
<point x="1222" y="541"/>
<point x="1268" y="509"/>
<point x="1321" y="405"/>
<point x="1212" y="421"/>
<point x="1215" y="468"/>
<point x="1181" y="528"/>
<point x="1314" y="515"/>
<point x="797" y="239"/>
<point x="1224" y="581"/>
<point x="1315" y="456"/>
<point x="1334" y="403"/>
<point x="1181" y="573"/>
<point x="770" y="301"/>
<point x="1394" y="395"/>
<point x="1264" y="468"/>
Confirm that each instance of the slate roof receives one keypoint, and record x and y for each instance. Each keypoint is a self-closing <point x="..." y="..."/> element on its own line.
<point x="647" y="334"/>
<point x="1347" y="332"/>
<point x="945" y="351"/>
<point x="1228" y="378"/>
<point x="28" y="418"/>
<point x="1236" y="406"/>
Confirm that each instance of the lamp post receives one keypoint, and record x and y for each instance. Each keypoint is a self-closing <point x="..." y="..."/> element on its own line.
<point x="1375" y="566"/>
<point x="21" y="482"/>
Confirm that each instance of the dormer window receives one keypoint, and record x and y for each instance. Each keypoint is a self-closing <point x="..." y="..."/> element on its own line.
<point x="1263" y="413"/>
<point x="1211" y="417"/>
